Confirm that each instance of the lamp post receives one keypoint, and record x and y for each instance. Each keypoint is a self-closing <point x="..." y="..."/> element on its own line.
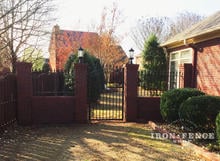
<point x="80" y="54"/>
<point x="131" y="55"/>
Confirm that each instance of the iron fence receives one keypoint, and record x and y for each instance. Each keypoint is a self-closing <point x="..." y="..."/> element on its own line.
<point x="156" y="83"/>
<point x="7" y="100"/>
<point x="52" y="83"/>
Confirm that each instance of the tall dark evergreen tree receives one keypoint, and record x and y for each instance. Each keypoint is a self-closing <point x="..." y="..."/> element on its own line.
<point x="154" y="58"/>
<point x="154" y="63"/>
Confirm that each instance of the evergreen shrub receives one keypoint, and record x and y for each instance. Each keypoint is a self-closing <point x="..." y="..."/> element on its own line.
<point x="171" y="100"/>
<point x="201" y="110"/>
<point x="95" y="76"/>
<point x="217" y="122"/>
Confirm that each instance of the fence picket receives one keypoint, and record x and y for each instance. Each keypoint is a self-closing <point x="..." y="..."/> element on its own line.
<point x="7" y="100"/>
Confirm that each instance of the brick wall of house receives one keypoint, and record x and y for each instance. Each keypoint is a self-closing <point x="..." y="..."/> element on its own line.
<point x="63" y="43"/>
<point x="208" y="67"/>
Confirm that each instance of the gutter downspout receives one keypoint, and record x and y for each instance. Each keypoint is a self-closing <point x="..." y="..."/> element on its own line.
<point x="194" y="72"/>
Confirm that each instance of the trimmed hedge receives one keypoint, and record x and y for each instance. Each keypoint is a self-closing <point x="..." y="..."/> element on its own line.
<point x="217" y="122"/>
<point x="171" y="100"/>
<point x="201" y="110"/>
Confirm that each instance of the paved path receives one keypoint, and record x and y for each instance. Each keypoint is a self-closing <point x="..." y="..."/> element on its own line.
<point x="88" y="142"/>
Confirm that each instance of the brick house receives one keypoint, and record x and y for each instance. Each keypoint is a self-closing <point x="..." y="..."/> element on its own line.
<point x="63" y="43"/>
<point x="195" y="55"/>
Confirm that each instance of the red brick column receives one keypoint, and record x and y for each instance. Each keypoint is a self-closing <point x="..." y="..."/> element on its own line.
<point x="24" y="92"/>
<point x="81" y="108"/>
<point x="185" y="79"/>
<point x="130" y="92"/>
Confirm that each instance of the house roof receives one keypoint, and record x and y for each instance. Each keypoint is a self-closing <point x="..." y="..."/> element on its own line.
<point x="203" y="30"/>
<point x="68" y="36"/>
<point x="78" y="36"/>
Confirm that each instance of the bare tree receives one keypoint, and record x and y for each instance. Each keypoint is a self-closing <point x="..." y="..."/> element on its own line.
<point x="162" y="27"/>
<point x="109" y="50"/>
<point x="22" y="25"/>
<point x="150" y="25"/>
<point x="183" y="21"/>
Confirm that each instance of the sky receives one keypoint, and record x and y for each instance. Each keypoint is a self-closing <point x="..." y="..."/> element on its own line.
<point x="79" y="14"/>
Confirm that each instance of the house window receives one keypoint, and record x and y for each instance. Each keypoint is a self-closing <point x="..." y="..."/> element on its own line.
<point x="177" y="58"/>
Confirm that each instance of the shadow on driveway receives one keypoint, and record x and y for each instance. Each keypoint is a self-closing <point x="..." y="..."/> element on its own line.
<point x="103" y="141"/>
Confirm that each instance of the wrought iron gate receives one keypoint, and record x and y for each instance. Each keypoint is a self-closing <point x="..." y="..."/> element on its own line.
<point x="109" y="105"/>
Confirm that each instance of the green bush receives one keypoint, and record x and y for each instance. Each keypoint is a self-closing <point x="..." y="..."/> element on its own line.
<point x="69" y="73"/>
<point x="95" y="76"/>
<point x="201" y="110"/>
<point x="217" y="122"/>
<point x="171" y="100"/>
<point x="46" y="67"/>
